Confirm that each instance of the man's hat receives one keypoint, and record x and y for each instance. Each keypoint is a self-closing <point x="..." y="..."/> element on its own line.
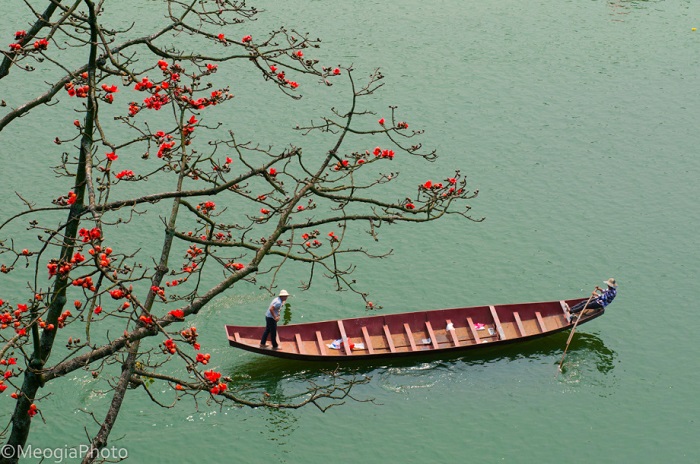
<point x="611" y="282"/>
<point x="284" y="292"/>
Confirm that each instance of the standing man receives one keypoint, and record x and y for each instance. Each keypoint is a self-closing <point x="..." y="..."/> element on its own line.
<point x="271" y="317"/>
<point x="601" y="298"/>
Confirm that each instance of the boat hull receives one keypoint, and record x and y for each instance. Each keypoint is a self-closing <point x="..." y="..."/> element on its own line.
<point x="413" y="333"/>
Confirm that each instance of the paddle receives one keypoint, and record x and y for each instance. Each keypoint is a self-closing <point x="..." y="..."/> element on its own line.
<point x="573" y="329"/>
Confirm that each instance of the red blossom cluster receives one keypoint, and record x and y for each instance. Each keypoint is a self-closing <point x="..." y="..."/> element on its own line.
<point x="170" y="346"/>
<point x="117" y="293"/>
<point x="190" y="336"/>
<point x="103" y="257"/>
<point x="126" y="174"/>
<point x="156" y="101"/>
<point x="247" y="39"/>
<point x="166" y="143"/>
<point x="203" y="358"/>
<point x="41" y="44"/>
<point x="189" y="268"/>
<point x="281" y="77"/>
<point x="77" y="91"/>
<point x="332" y="237"/>
<point x="206" y="207"/>
<point x="61" y="320"/>
<point x="58" y="267"/>
<point x="159" y="292"/>
<point x="440" y="188"/>
<point x="111" y="156"/>
<point x="32" y="411"/>
<point x="344" y="164"/>
<point x="213" y="377"/>
<point x="177" y="313"/>
<point x="87" y="235"/>
<point x="14" y="318"/>
<point x="383" y="153"/>
<point x="85" y="282"/>
<point x="146" y="320"/>
<point x="236" y="266"/>
<point x="226" y="165"/>
<point x="19" y="35"/>
<point x="71" y="197"/>
<point x="109" y="90"/>
<point x="310" y="240"/>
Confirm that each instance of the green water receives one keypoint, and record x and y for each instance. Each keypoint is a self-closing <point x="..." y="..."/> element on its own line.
<point x="577" y="121"/>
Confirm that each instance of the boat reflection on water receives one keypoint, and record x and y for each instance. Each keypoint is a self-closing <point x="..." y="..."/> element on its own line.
<point x="285" y="378"/>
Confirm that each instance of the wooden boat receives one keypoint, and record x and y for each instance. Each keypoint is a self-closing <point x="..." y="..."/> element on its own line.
<point x="407" y="334"/>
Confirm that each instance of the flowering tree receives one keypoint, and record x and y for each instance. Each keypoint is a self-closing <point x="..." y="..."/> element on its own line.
<point x="142" y="141"/>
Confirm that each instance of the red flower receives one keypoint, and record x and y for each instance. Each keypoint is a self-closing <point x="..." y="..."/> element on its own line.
<point x="177" y="314"/>
<point x="265" y="211"/>
<point x="127" y="173"/>
<point x="170" y="345"/>
<point x="221" y="37"/>
<point x="98" y="309"/>
<point x="212" y="67"/>
<point x="41" y="44"/>
<point x="428" y="185"/>
<point x="273" y="68"/>
<point x="272" y="172"/>
<point x="71" y="197"/>
<point x="336" y="71"/>
<point x="381" y="122"/>
<point x="246" y="39"/>
<point x="299" y="54"/>
<point x="112" y="156"/>
<point x="410" y="206"/>
<point x="212" y="376"/>
<point x="452" y="180"/>
<point x="15" y="46"/>
<point x="32" y="410"/>
<point x="19" y="35"/>
<point x="402" y="125"/>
